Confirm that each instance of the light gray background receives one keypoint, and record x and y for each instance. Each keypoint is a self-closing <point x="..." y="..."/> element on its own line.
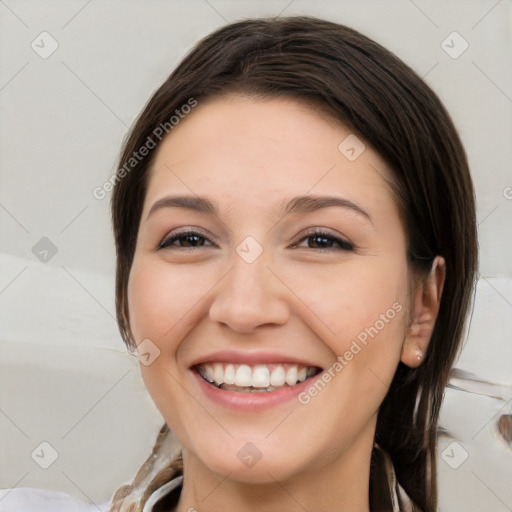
<point x="66" y="378"/>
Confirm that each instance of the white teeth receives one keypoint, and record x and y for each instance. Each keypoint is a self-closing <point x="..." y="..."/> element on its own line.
<point x="243" y="376"/>
<point x="218" y="374"/>
<point x="278" y="377"/>
<point x="208" y="373"/>
<point x="258" y="377"/>
<point x="229" y="374"/>
<point x="291" y="376"/>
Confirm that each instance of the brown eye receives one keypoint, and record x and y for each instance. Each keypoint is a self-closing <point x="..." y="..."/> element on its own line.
<point x="321" y="240"/>
<point x="186" y="240"/>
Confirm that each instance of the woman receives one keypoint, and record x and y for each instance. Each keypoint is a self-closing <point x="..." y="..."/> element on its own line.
<point x="295" y="230"/>
<point x="296" y="250"/>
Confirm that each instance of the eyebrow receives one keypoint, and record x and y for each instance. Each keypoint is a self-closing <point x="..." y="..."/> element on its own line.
<point x="299" y="204"/>
<point x="196" y="203"/>
<point x="306" y="204"/>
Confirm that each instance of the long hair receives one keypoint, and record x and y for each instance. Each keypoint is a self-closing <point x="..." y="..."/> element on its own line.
<point x="383" y="101"/>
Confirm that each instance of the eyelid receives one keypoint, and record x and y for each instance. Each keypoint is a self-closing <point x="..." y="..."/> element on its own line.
<point x="343" y="241"/>
<point x="186" y="230"/>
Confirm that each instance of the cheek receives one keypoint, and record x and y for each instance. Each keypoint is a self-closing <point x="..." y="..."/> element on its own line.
<point x="364" y="306"/>
<point x="163" y="300"/>
<point x="349" y="298"/>
<point x="146" y="294"/>
<point x="164" y="304"/>
<point x="360" y="315"/>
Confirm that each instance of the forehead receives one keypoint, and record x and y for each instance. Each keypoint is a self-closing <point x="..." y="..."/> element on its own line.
<point x="260" y="151"/>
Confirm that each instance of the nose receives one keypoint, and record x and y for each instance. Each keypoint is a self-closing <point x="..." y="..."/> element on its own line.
<point x="249" y="296"/>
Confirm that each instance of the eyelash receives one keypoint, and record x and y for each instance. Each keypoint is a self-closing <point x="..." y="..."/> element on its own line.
<point x="167" y="242"/>
<point x="343" y="244"/>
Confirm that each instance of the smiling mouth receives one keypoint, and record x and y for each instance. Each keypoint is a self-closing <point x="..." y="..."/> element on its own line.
<point x="260" y="378"/>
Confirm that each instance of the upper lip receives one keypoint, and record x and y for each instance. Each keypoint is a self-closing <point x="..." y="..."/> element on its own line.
<point x="251" y="358"/>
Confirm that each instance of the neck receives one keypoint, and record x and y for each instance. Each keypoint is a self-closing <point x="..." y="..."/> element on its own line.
<point x="339" y="482"/>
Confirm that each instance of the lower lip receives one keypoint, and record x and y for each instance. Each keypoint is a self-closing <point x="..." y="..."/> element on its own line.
<point x="252" y="401"/>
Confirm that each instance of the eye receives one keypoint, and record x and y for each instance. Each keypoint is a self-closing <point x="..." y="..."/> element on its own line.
<point x="186" y="240"/>
<point x="322" y="240"/>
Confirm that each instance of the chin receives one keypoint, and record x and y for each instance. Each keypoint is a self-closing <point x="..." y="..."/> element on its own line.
<point x="244" y="462"/>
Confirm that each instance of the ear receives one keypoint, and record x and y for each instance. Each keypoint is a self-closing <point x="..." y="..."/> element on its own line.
<point x="425" y="307"/>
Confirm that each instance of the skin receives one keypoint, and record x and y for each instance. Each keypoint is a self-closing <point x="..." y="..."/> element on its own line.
<point x="298" y="298"/>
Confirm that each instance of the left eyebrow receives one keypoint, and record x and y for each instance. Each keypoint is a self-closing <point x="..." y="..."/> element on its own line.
<point x="307" y="204"/>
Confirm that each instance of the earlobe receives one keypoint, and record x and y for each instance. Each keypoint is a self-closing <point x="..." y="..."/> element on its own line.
<point x="425" y="307"/>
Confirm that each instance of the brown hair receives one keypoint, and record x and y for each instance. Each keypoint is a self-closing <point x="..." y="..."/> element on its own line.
<point x="383" y="101"/>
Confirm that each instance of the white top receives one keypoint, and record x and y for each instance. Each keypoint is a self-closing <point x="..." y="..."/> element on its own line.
<point x="25" y="499"/>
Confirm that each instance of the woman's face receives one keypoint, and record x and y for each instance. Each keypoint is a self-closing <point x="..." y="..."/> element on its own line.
<point x="295" y="269"/>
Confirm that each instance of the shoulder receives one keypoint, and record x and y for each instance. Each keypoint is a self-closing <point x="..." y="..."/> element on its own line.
<point x="39" y="500"/>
